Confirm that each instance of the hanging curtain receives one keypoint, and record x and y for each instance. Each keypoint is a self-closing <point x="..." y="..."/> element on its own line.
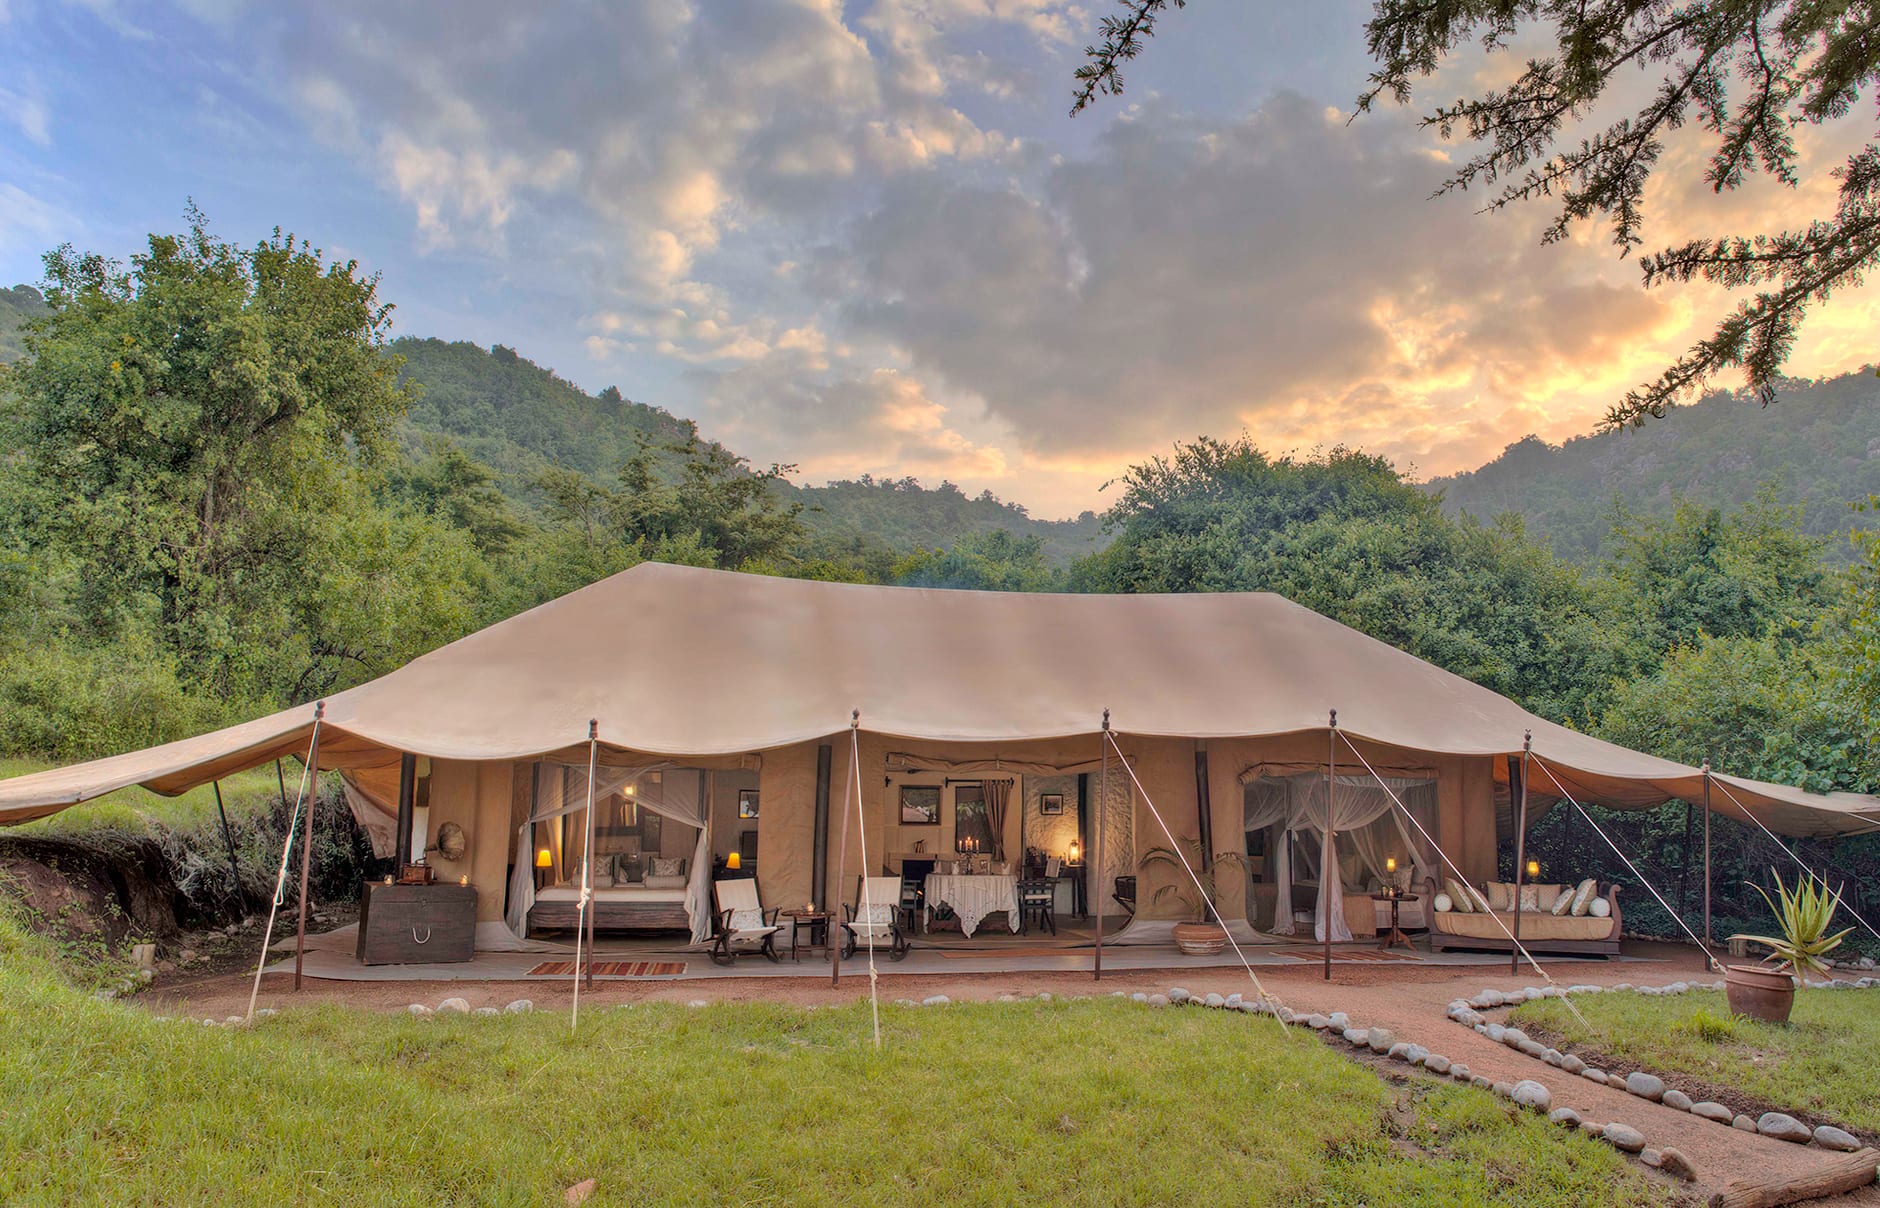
<point x="996" y="794"/>
<point x="558" y="794"/>
<point x="680" y="797"/>
<point x="1298" y="803"/>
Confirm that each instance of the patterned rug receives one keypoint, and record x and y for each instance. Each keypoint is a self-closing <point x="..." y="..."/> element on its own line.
<point x="962" y="954"/>
<point x="611" y="969"/>
<point x="1348" y="955"/>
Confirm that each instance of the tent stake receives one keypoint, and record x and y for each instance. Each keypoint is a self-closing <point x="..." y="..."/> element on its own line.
<point x="1328" y="858"/>
<point x="234" y="869"/>
<point x="306" y="842"/>
<point x="1103" y="807"/>
<point x="842" y="853"/>
<point x="1520" y="851"/>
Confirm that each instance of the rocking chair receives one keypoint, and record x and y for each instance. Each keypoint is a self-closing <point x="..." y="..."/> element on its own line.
<point x="882" y="921"/>
<point x="742" y="919"/>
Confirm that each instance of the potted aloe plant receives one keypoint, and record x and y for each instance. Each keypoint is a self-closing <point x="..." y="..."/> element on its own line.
<point x="1199" y="934"/>
<point x="1803" y="915"/>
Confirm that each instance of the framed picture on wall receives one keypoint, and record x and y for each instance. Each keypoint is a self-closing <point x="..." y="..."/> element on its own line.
<point x="920" y="805"/>
<point x="1051" y="803"/>
<point x="747" y="803"/>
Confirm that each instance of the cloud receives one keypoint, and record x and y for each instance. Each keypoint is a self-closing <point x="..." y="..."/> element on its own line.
<point x="26" y="111"/>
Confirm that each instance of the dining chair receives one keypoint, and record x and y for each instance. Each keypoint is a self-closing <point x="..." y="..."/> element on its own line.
<point x="1037" y="899"/>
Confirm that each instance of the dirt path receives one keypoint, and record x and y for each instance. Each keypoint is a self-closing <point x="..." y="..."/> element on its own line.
<point x="1410" y="1001"/>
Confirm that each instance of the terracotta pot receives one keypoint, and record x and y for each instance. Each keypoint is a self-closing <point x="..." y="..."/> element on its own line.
<point x="1200" y="939"/>
<point x="1759" y="992"/>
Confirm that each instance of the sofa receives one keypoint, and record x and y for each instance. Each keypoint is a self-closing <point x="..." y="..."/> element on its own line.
<point x="1541" y="930"/>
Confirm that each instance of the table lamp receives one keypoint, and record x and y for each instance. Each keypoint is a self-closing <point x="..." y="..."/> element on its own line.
<point x="1077" y="851"/>
<point x="734" y="861"/>
<point x="543" y="862"/>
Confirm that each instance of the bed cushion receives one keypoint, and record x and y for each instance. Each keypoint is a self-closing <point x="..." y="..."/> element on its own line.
<point x="660" y="866"/>
<point x="1600" y="909"/>
<point x="1538" y="898"/>
<point x="1458" y="896"/>
<point x="658" y="881"/>
<point x="1444" y="903"/>
<point x="1563" y="903"/>
<point x="1583" y="897"/>
<point x="1537" y="928"/>
<point x="1478" y="900"/>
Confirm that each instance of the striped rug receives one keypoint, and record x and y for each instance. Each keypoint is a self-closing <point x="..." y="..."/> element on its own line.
<point x="611" y="969"/>
<point x="1359" y="956"/>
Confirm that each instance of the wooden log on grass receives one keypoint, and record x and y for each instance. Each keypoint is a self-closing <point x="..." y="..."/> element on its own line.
<point x="1844" y="1172"/>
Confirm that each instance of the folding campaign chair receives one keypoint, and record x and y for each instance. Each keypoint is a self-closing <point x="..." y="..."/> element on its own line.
<point x="742" y="919"/>
<point x="883" y="922"/>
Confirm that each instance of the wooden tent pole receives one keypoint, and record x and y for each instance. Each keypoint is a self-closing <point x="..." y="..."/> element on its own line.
<point x="1707" y="936"/>
<point x="1328" y="856"/>
<point x="842" y="854"/>
<point x="584" y="916"/>
<point x="306" y="840"/>
<point x="1520" y="851"/>
<point x="234" y="869"/>
<point x="1103" y="807"/>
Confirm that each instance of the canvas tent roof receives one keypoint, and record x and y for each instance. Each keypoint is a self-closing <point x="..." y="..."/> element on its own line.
<point x="677" y="661"/>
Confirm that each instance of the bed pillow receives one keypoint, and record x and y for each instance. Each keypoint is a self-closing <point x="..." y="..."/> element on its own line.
<point x="603" y="880"/>
<point x="627" y="870"/>
<point x="1501" y="895"/>
<point x="1536" y="898"/>
<point x="662" y="867"/>
<point x="1563" y="902"/>
<point x="1583" y="897"/>
<point x="1478" y="899"/>
<point x="1600" y="909"/>
<point x="1458" y="897"/>
<point x="654" y="880"/>
<point x="1443" y="903"/>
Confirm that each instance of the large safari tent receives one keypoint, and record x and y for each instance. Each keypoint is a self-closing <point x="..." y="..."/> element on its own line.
<point x="725" y="708"/>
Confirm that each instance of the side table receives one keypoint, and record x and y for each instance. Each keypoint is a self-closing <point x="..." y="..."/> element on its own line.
<point x="811" y="931"/>
<point x="1395" y="935"/>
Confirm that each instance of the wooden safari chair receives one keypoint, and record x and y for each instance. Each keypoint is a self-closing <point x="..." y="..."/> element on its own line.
<point x="882" y="924"/>
<point x="742" y="919"/>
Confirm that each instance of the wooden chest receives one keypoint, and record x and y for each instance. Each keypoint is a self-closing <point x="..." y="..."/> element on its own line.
<point x="416" y="924"/>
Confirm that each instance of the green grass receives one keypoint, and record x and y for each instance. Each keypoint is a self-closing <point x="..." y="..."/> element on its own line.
<point x="1097" y="1102"/>
<point x="134" y="809"/>
<point x="1820" y="1064"/>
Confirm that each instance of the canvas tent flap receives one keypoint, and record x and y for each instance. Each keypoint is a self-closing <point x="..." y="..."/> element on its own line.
<point x="680" y="662"/>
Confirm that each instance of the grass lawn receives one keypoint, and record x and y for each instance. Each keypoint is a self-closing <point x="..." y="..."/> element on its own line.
<point x="1097" y="1102"/>
<point x="1820" y="1064"/>
<point x="133" y="809"/>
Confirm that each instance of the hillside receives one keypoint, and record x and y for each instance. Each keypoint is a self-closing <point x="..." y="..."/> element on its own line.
<point x="17" y="305"/>
<point x="1819" y="445"/>
<point x="520" y="418"/>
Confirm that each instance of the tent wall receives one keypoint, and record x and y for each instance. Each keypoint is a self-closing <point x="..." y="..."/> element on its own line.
<point x="786" y="788"/>
<point x="481" y="798"/>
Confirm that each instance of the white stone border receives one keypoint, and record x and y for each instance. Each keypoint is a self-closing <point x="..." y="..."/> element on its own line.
<point x="1648" y="1086"/>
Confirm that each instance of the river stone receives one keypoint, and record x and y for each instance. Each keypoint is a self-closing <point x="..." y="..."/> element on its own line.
<point x="1651" y="1157"/>
<point x="1678" y="1099"/>
<point x="1645" y="1086"/>
<point x="1317" y="1022"/>
<point x="1340" y="1020"/>
<point x="1512" y="1037"/>
<point x="1357" y="1036"/>
<point x="1139" y="996"/>
<point x="1231" y="1002"/>
<point x="1533" y="1048"/>
<point x="522" y="1006"/>
<point x="1624" y="1138"/>
<point x="1380" y="1040"/>
<point x="418" y="1009"/>
<point x="1594" y="1076"/>
<point x="487" y="1011"/>
<point x="1551" y="1056"/>
<point x="1158" y="1000"/>
<point x="1459" y="1071"/>
<point x="1399" y="1051"/>
<point x="1478" y="1082"/>
<point x="1829" y="1137"/>
<point x="1572" y="1064"/>
<point x="1214" y="1000"/>
<point x="1436" y="1063"/>
<point x="1592" y="1128"/>
<point x="1566" y="1117"/>
<point x="1743" y="1123"/>
<point x="1674" y="1163"/>
<point x="1178" y="995"/>
<point x="1496" y="1032"/>
<point x="1416" y="1054"/>
<point x="1529" y="1093"/>
<point x="1504" y="1089"/>
<point x="1710" y="1110"/>
<point x="1784" y="1128"/>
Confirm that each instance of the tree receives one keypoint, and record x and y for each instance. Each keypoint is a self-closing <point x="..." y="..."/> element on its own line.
<point x="204" y="431"/>
<point x="1750" y="72"/>
<point x="990" y="560"/>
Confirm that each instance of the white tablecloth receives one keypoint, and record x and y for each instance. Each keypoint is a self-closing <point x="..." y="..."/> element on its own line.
<point x="973" y="897"/>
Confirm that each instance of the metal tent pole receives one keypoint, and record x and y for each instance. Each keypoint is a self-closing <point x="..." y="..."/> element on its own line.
<point x="306" y="842"/>
<point x="1328" y="857"/>
<point x="1103" y="807"/>
<point x="1520" y="849"/>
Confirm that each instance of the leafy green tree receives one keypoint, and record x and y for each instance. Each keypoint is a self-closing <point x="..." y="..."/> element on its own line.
<point x="205" y="429"/>
<point x="448" y="483"/>
<point x="992" y="560"/>
<point x="1750" y="72"/>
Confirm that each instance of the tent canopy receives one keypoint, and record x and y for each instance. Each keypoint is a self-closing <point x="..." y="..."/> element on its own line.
<point x="676" y="661"/>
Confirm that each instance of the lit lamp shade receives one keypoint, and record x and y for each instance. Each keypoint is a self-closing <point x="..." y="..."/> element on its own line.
<point x="543" y="859"/>
<point x="1533" y="869"/>
<point x="733" y="861"/>
<point x="1390" y="863"/>
<point x="1077" y="851"/>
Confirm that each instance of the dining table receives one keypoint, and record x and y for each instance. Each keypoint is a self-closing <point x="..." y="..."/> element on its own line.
<point x="971" y="896"/>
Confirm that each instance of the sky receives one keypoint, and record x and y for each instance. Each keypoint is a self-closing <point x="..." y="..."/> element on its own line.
<point x="868" y="237"/>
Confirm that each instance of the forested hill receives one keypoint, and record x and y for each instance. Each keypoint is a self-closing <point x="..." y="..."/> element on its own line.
<point x="1819" y="445"/>
<point x="17" y="305"/>
<point x="520" y="418"/>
